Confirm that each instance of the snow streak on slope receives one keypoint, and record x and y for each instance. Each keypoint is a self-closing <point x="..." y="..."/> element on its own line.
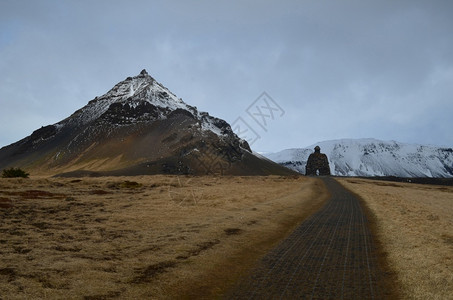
<point x="371" y="157"/>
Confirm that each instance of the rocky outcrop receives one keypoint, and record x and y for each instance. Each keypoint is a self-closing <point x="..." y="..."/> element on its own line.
<point x="317" y="163"/>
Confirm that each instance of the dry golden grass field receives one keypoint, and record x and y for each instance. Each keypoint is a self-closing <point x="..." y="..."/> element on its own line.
<point x="414" y="225"/>
<point x="146" y="236"/>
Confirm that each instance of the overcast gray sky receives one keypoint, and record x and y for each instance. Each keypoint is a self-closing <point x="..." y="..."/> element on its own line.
<point x="338" y="69"/>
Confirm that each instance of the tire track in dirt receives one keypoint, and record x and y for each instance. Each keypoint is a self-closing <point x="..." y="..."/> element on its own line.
<point x="329" y="256"/>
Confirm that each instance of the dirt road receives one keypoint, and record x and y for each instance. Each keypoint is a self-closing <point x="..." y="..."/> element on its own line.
<point x="329" y="256"/>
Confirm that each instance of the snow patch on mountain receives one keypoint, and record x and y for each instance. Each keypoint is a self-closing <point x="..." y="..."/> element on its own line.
<point x="372" y="157"/>
<point x="134" y="92"/>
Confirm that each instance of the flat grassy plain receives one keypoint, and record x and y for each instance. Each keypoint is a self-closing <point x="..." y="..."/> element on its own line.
<point x="143" y="237"/>
<point x="414" y="225"/>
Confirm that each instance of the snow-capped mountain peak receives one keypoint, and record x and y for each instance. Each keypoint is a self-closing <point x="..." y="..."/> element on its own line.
<point x="372" y="157"/>
<point x="137" y="127"/>
<point x="140" y="99"/>
<point x="133" y="91"/>
<point x="142" y="87"/>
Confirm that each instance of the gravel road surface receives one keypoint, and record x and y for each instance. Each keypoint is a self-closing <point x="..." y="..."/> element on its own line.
<point x="329" y="256"/>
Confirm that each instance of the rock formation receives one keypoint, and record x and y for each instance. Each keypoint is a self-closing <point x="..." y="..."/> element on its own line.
<point x="317" y="163"/>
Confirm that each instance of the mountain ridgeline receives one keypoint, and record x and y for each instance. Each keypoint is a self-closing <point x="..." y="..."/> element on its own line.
<point x="138" y="127"/>
<point x="371" y="157"/>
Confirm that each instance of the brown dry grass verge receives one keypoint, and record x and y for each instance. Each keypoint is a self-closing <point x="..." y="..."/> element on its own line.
<point x="142" y="237"/>
<point x="413" y="224"/>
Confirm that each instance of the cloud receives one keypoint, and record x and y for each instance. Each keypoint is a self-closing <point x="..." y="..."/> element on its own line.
<point x="339" y="69"/>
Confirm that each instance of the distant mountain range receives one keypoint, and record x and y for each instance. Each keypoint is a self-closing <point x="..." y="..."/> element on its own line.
<point x="371" y="157"/>
<point x="138" y="127"/>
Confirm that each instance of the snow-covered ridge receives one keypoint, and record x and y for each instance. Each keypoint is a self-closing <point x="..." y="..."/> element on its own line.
<point x="371" y="157"/>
